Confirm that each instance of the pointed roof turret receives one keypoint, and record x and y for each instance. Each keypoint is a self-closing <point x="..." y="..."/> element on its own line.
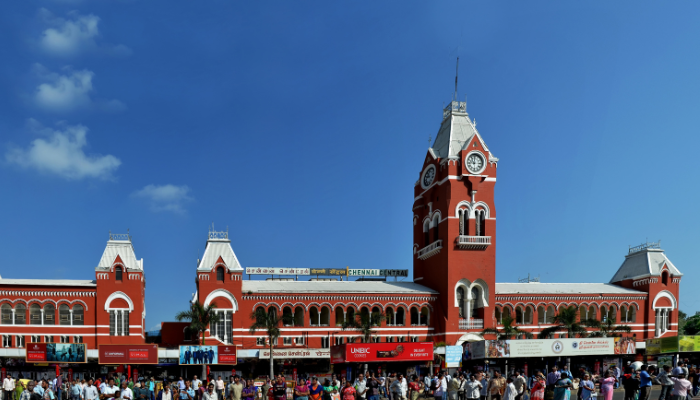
<point x="120" y="250"/>
<point x="456" y="132"/>
<point x="645" y="260"/>
<point x="217" y="251"/>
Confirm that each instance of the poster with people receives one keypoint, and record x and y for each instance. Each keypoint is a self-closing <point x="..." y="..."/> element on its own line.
<point x="65" y="352"/>
<point x="193" y="355"/>
<point x="625" y="346"/>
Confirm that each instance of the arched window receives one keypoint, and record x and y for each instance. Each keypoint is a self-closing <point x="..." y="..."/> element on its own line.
<point x="49" y="314"/>
<point x="480" y="222"/>
<point x="339" y="316"/>
<point x="528" y="315"/>
<point x="499" y="315"/>
<point x="664" y="278"/>
<point x="632" y="314"/>
<point x="464" y="221"/>
<point x="314" y="317"/>
<point x="476" y="302"/>
<point x="436" y="229"/>
<point x="583" y="313"/>
<point x="377" y="311"/>
<point x="288" y="316"/>
<point x="325" y="316"/>
<point x="272" y="311"/>
<point x="461" y="301"/>
<point x="20" y="314"/>
<point x="540" y="315"/>
<point x="507" y="312"/>
<point x="623" y="313"/>
<point x="299" y="316"/>
<point x="350" y="314"/>
<point x="220" y="274"/>
<point x="118" y="273"/>
<point x="603" y="313"/>
<point x="78" y="315"/>
<point x="400" y="316"/>
<point x="550" y="315"/>
<point x="426" y="232"/>
<point x="593" y="312"/>
<point x="415" y="319"/>
<point x="34" y="314"/>
<point x="424" y="316"/>
<point x="63" y="315"/>
<point x="519" y="315"/>
<point x="612" y="313"/>
<point x="6" y="312"/>
<point x="390" y="316"/>
<point x="364" y="313"/>
<point x="260" y="310"/>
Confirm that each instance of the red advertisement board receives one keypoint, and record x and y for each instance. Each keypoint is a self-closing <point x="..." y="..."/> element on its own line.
<point x="382" y="352"/>
<point x="56" y="352"/>
<point x="228" y="355"/>
<point x="128" y="354"/>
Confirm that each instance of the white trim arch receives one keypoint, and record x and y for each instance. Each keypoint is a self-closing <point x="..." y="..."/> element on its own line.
<point x="469" y="337"/>
<point x="485" y="207"/>
<point x="118" y="295"/>
<point x="464" y="204"/>
<point x="225" y="294"/>
<point x="668" y="295"/>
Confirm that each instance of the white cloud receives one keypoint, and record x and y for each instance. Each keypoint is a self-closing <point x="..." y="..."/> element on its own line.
<point x="76" y="34"/>
<point x="165" y="197"/>
<point x="62" y="153"/>
<point x="69" y="91"/>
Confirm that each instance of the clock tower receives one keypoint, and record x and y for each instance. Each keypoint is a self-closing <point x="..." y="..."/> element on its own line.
<point x="454" y="228"/>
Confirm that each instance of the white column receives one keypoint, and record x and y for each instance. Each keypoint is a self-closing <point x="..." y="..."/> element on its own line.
<point x="71" y="316"/>
<point x="13" y="316"/>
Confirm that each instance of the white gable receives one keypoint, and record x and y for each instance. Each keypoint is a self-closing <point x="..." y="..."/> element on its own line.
<point x="456" y="131"/>
<point x="120" y="245"/>
<point x="219" y="246"/>
<point x="647" y="262"/>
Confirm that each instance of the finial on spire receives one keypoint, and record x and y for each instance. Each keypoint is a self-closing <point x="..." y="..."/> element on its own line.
<point x="456" y="78"/>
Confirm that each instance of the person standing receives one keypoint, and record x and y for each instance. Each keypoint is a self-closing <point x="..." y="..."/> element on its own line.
<point x="519" y="382"/>
<point x="510" y="391"/>
<point x="361" y="386"/>
<point x="48" y="393"/>
<point x="607" y="385"/>
<point x="27" y="392"/>
<point x="562" y="389"/>
<point x="373" y="386"/>
<point x="75" y="392"/>
<point x="453" y="387"/>
<point x="472" y="390"/>
<point x="210" y="393"/>
<point x="497" y="386"/>
<point x="235" y="388"/>
<point x="301" y="390"/>
<point x="484" y="385"/>
<point x="248" y="392"/>
<point x="110" y="390"/>
<point x="538" y="387"/>
<point x="125" y="393"/>
<point x="315" y="390"/>
<point x="680" y="387"/>
<point x="414" y="388"/>
<point x="616" y="372"/>
<point x="664" y="379"/>
<point x="279" y="389"/>
<point x="586" y="387"/>
<point x="90" y="391"/>
<point x="348" y="392"/>
<point x="220" y="386"/>
<point x="553" y="377"/>
<point x="644" y="383"/>
<point x="8" y="386"/>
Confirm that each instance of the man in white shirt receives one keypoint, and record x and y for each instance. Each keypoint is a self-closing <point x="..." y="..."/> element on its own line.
<point x="519" y="382"/>
<point x="125" y="392"/>
<point x="472" y="389"/>
<point x="196" y="383"/>
<point x="8" y="385"/>
<point x="361" y="386"/>
<point x="399" y="387"/>
<point x="510" y="392"/>
<point x="111" y="391"/>
<point x="90" y="391"/>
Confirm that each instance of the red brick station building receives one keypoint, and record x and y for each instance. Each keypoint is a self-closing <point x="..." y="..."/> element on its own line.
<point x="453" y="295"/>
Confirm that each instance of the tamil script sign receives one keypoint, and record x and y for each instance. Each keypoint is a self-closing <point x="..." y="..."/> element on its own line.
<point x="295" y="353"/>
<point x="128" y="354"/>
<point x="277" y="271"/>
<point x="328" y="271"/>
<point x="378" y="272"/>
<point x="547" y="347"/>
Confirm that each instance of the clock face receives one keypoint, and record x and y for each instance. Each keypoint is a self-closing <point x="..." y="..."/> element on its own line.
<point x="475" y="163"/>
<point x="428" y="176"/>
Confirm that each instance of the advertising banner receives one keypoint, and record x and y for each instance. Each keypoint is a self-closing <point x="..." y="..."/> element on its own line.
<point x="277" y="271"/>
<point x="625" y="346"/>
<point x="56" y="352"/>
<point x="546" y="347"/>
<point x="662" y="345"/>
<point x="192" y="355"/>
<point x="453" y="356"/>
<point x="689" y="343"/>
<point x="228" y="355"/>
<point x="295" y="353"/>
<point x="382" y="352"/>
<point x="127" y="354"/>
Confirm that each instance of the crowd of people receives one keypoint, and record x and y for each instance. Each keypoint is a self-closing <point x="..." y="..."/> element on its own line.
<point x="679" y="383"/>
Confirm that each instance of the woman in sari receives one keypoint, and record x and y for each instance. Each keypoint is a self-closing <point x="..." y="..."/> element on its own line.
<point x="587" y="387"/>
<point x="562" y="389"/>
<point x="537" y="391"/>
<point x="607" y="385"/>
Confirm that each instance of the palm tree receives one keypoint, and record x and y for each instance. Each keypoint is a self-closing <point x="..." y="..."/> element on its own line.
<point x="200" y="317"/>
<point x="269" y="322"/>
<point x="607" y="328"/>
<point x="565" y="320"/>
<point x="509" y="330"/>
<point x="364" y="324"/>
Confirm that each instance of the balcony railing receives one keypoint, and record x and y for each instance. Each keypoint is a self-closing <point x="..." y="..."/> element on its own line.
<point x="466" y="324"/>
<point x="473" y="242"/>
<point x="430" y="250"/>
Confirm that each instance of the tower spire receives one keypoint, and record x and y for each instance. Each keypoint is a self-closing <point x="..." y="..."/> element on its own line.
<point x="456" y="77"/>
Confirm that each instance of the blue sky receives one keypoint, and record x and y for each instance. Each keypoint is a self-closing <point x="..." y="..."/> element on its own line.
<point x="302" y="127"/>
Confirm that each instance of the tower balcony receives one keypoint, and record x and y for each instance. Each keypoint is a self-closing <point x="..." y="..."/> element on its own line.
<point x="430" y="250"/>
<point x="473" y="242"/>
<point x="471" y="323"/>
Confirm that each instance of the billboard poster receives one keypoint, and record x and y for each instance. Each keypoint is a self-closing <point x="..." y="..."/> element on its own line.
<point x="382" y="352"/>
<point x="545" y="347"/>
<point x="625" y="346"/>
<point x="56" y="352"/>
<point x="453" y="356"/>
<point x="689" y="343"/>
<point x="127" y="354"/>
<point x="193" y="355"/>
<point x="662" y="345"/>
<point x="228" y="355"/>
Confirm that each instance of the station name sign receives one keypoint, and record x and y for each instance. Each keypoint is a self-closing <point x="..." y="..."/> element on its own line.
<point x="328" y="271"/>
<point x="378" y="272"/>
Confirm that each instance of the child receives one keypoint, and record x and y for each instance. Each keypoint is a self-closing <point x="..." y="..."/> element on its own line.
<point x="335" y="395"/>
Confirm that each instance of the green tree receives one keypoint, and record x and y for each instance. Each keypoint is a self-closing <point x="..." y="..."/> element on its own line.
<point x="364" y="324"/>
<point x="509" y="330"/>
<point x="607" y="328"/>
<point x="566" y="320"/>
<point x="269" y="322"/>
<point x="682" y="319"/>
<point x="691" y="325"/>
<point x="199" y="317"/>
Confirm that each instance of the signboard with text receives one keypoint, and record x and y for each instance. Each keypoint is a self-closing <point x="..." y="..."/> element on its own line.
<point x="382" y="352"/>
<point x="277" y="271"/>
<point x="662" y="345"/>
<point x="547" y="347"/>
<point x="228" y="355"/>
<point x="453" y="356"/>
<point x="328" y="271"/>
<point x="295" y="353"/>
<point x="56" y="352"/>
<point x="378" y="272"/>
<point x="128" y="354"/>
